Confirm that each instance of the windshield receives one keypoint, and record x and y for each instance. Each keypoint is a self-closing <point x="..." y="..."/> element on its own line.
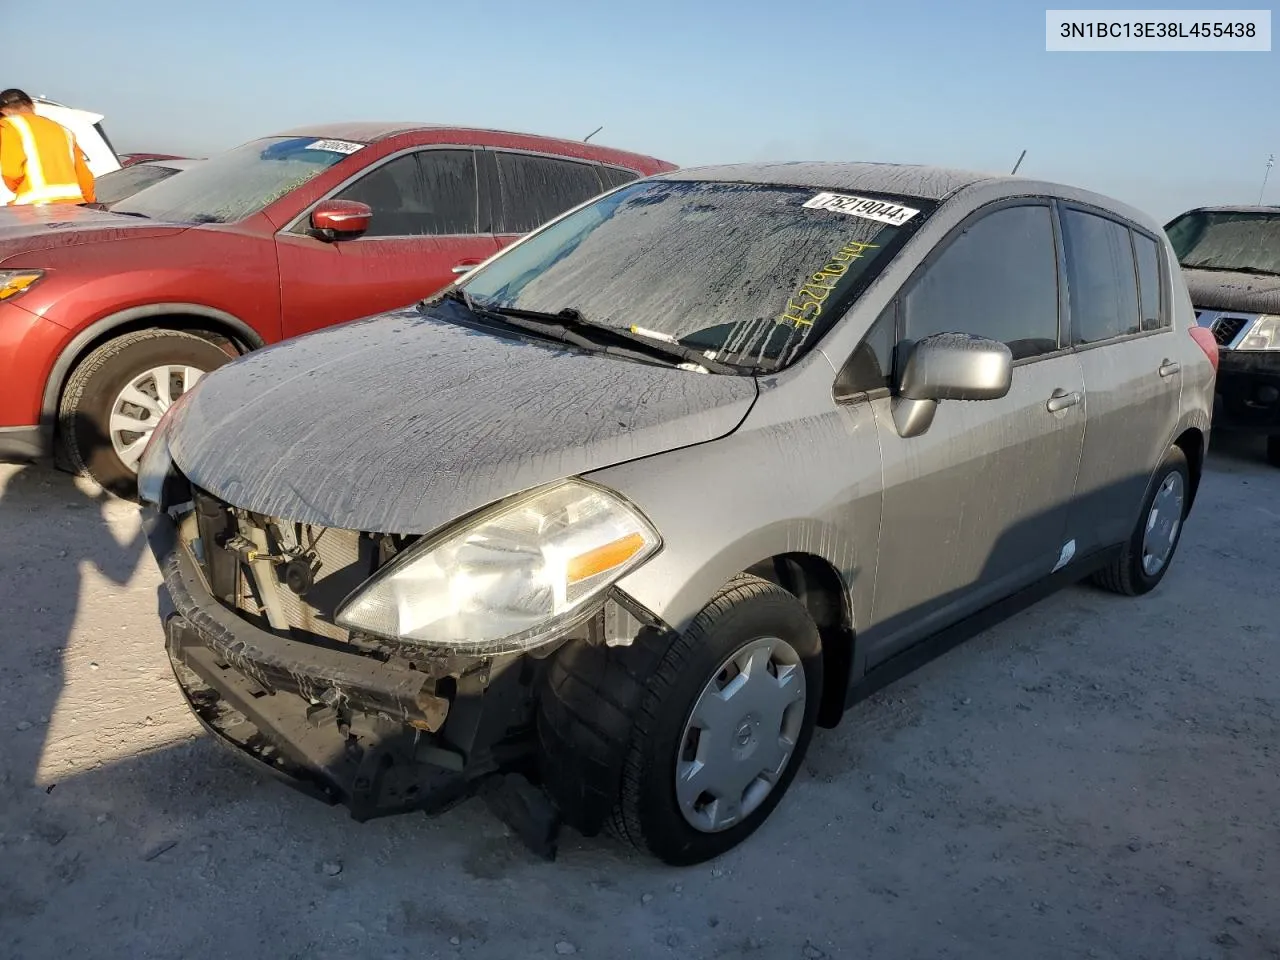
<point x="751" y="274"/>
<point x="1227" y="241"/>
<point x="240" y="182"/>
<point x="127" y="181"/>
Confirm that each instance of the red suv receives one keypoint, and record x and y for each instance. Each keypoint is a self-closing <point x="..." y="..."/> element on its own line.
<point x="106" y="317"/>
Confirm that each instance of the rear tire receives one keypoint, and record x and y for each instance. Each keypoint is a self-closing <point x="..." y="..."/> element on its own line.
<point x="1128" y="574"/>
<point x="1273" y="451"/>
<point x="101" y="386"/>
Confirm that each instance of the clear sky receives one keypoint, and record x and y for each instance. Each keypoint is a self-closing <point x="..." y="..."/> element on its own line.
<point x="964" y="84"/>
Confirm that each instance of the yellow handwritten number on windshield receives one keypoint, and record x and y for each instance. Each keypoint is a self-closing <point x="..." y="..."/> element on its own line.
<point x="805" y="306"/>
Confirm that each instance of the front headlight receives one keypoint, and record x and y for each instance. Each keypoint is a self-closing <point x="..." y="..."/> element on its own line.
<point x="15" y="282"/>
<point x="1264" y="334"/>
<point x="509" y="578"/>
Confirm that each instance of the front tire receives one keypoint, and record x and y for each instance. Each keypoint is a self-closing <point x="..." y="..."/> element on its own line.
<point x="723" y="725"/>
<point x="115" y="397"/>
<point x="1146" y="556"/>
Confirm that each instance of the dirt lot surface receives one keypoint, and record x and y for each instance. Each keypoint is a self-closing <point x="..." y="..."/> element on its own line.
<point x="1097" y="777"/>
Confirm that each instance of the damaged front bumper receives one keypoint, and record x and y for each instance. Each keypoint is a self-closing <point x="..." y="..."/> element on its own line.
<point x="375" y="734"/>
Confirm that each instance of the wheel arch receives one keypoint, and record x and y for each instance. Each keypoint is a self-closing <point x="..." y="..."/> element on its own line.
<point x="821" y="588"/>
<point x="1191" y="442"/>
<point x="186" y="317"/>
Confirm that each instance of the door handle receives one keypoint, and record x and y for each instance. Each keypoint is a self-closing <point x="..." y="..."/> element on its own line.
<point x="1169" y="368"/>
<point x="465" y="267"/>
<point x="1061" y="400"/>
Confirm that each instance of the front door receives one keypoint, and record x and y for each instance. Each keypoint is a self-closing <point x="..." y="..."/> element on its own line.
<point x="1120" y="310"/>
<point x="976" y="507"/>
<point x="424" y="229"/>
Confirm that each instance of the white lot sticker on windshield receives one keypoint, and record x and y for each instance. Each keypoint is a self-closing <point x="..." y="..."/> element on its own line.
<point x="880" y="210"/>
<point x="335" y="146"/>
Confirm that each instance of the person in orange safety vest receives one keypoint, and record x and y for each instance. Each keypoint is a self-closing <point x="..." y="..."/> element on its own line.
<point x="40" y="160"/>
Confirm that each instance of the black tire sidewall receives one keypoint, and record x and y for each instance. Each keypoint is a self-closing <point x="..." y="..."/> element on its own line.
<point x="665" y="830"/>
<point x="1175" y="461"/>
<point x="91" y="415"/>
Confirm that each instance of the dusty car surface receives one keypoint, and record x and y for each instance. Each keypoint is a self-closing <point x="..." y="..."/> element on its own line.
<point x="670" y="482"/>
<point x="1230" y="257"/>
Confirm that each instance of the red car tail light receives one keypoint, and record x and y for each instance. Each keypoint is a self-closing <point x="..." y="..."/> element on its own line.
<point x="1208" y="343"/>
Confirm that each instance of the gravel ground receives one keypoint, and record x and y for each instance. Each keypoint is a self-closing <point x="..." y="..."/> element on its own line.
<point x="1095" y="778"/>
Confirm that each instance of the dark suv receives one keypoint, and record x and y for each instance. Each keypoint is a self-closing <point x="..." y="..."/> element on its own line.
<point x="1230" y="257"/>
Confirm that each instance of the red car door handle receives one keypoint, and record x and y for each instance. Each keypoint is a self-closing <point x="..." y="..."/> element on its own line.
<point x="466" y="266"/>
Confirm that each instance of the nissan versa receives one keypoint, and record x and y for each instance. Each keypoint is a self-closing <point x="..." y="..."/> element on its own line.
<point x="607" y="527"/>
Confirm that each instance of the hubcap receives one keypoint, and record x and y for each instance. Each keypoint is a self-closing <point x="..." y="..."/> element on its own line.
<point x="1163" y="524"/>
<point x="141" y="404"/>
<point x="740" y="734"/>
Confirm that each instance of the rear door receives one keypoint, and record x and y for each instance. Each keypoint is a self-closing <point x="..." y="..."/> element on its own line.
<point x="976" y="507"/>
<point x="425" y="224"/>
<point x="1119" y="304"/>
<point x="533" y="188"/>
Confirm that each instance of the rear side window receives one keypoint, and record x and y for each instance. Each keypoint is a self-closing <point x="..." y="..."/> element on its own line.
<point x="1147" y="254"/>
<point x="616" y="176"/>
<point x="997" y="279"/>
<point x="1100" y="278"/>
<point x="536" y="189"/>
<point x="428" y="193"/>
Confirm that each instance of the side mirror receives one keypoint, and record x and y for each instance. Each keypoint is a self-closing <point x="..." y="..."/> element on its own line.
<point x="949" y="366"/>
<point x="340" y="219"/>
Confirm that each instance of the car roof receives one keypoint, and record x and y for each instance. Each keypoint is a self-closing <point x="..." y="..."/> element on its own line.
<point x="930" y="183"/>
<point x="372" y="131"/>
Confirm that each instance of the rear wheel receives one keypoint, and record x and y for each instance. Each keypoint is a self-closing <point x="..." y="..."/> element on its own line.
<point x="1145" y="558"/>
<point x="1273" y="451"/>
<point x="118" y="393"/>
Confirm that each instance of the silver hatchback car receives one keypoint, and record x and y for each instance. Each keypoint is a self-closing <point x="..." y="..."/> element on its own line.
<point x="604" y="530"/>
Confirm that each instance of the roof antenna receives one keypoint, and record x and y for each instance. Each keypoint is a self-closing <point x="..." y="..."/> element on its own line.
<point x="1018" y="164"/>
<point x="592" y="133"/>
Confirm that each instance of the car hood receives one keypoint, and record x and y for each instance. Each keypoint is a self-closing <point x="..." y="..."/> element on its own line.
<point x="1246" y="292"/>
<point x="403" y="422"/>
<point x="28" y="229"/>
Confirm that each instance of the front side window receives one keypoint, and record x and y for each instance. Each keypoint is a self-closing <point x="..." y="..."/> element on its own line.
<point x="997" y="279"/>
<point x="1147" y="253"/>
<point x="749" y="274"/>
<point x="427" y="193"/>
<point x="1248" y="242"/>
<point x="537" y="189"/>
<point x="1100" y="277"/>
<point x="240" y="182"/>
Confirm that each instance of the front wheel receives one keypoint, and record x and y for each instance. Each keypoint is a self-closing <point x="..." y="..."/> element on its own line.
<point x="1146" y="556"/>
<point x="116" y="396"/>
<point x="723" y="726"/>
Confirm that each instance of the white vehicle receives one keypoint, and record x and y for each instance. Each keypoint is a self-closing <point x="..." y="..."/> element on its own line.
<point x="89" y="134"/>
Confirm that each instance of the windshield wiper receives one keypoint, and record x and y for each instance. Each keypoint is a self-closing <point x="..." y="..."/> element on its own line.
<point x="124" y="213"/>
<point x="572" y="319"/>
<point x="569" y="326"/>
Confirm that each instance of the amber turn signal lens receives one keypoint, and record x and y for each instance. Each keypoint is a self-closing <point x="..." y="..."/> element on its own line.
<point x="604" y="557"/>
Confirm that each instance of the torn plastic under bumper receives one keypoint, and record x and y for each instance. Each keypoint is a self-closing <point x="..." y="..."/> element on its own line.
<point x="254" y="691"/>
